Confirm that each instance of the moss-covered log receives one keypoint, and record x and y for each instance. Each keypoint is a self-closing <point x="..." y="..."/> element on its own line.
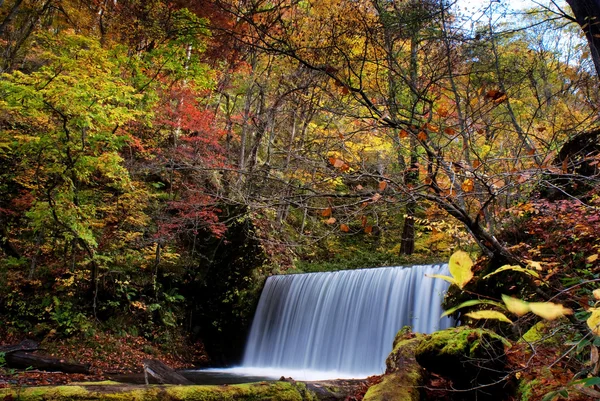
<point x="276" y="391"/>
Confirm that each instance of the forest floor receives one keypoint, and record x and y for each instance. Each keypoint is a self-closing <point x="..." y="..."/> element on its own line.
<point x="107" y="354"/>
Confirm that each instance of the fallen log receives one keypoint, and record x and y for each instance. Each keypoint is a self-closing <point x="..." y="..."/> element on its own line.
<point x="25" y="345"/>
<point x="162" y="373"/>
<point x="23" y="360"/>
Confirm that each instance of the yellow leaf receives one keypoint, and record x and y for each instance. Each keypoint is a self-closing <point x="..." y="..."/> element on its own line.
<point x="515" y="305"/>
<point x="596" y="293"/>
<point x="593" y="321"/>
<point x="549" y="310"/>
<point x="460" y="268"/>
<point x="592" y="258"/>
<point x="488" y="314"/>
<point x="535" y="265"/>
<point x="514" y="268"/>
<point x="449" y="279"/>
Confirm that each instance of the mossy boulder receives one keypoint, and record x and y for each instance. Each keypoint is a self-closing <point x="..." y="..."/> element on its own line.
<point x="403" y="375"/>
<point x="274" y="391"/>
<point x="469" y="357"/>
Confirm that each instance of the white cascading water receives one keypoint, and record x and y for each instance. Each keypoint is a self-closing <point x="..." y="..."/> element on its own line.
<point x="341" y="324"/>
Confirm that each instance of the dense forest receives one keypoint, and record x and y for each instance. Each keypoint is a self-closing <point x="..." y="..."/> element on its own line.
<point x="159" y="159"/>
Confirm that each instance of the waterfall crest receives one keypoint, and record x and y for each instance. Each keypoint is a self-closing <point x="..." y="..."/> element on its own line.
<point x="342" y="321"/>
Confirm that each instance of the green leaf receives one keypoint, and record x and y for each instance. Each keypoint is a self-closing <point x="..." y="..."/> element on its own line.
<point x="449" y="279"/>
<point x="588" y="382"/>
<point x="513" y="268"/>
<point x="489" y="314"/>
<point x="472" y="302"/>
<point x="460" y="268"/>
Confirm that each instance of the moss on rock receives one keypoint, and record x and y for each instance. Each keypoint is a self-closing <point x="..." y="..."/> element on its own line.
<point x="275" y="391"/>
<point x="468" y="357"/>
<point x="403" y="375"/>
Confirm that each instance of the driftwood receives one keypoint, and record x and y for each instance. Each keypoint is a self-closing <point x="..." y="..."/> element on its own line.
<point x="19" y="356"/>
<point x="162" y="373"/>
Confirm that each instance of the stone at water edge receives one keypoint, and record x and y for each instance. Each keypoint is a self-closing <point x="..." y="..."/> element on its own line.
<point x="468" y="357"/>
<point x="403" y="375"/>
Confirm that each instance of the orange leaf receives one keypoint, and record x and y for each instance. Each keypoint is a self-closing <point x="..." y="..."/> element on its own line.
<point x="326" y="212"/>
<point x="468" y="185"/>
<point x="476" y="163"/>
<point x="501" y="99"/>
<point x="369" y="229"/>
<point x="376" y="197"/>
<point x="363" y="220"/>
<point x="382" y="186"/>
<point x="442" y="112"/>
<point x="422" y="136"/>
<point x="338" y="163"/>
<point x="449" y="131"/>
<point x="431" y="127"/>
<point x="344" y="228"/>
<point x="330" y="220"/>
<point x="403" y="134"/>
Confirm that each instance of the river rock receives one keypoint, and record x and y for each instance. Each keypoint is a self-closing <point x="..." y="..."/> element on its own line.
<point x="403" y="375"/>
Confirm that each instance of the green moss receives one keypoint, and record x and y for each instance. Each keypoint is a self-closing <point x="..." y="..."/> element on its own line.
<point x="398" y="386"/>
<point x="535" y="333"/>
<point x="276" y="391"/>
<point x="525" y="390"/>
<point x="459" y="341"/>
<point x="469" y="357"/>
<point x="404" y="375"/>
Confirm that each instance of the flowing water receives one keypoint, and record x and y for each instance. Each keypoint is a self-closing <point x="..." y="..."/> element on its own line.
<point x="319" y="326"/>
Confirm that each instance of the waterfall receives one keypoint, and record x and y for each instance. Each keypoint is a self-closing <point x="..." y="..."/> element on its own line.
<point x="342" y="322"/>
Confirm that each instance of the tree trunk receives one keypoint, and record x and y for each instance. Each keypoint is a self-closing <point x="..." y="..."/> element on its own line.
<point x="587" y="14"/>
<point x="23" y="360"/>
